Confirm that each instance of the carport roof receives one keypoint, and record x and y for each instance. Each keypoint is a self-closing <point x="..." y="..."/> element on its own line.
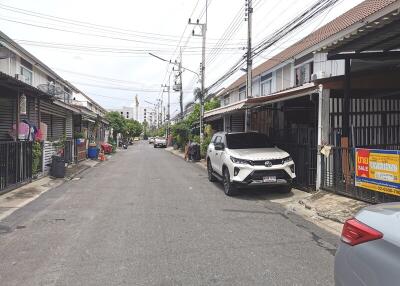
<point x="380" y="36"/>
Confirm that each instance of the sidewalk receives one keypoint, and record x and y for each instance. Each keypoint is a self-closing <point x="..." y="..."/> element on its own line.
<point x="15" y="199"/>
<point x="202" y="163"/>
<point x="325" y="209"/>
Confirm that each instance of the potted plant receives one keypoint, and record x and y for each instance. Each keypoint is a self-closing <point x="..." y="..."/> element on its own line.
<point x="79" y="137"/>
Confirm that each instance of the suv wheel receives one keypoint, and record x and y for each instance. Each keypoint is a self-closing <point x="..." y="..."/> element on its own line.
<point x="211" y="176"/>
<point x="286" y="189"/>
<point x="229" y="189"/>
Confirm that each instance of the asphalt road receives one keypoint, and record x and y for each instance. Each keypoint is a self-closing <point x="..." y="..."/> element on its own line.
<point x="146" y="217"/>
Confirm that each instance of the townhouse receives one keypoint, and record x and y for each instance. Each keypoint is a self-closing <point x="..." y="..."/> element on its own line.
<point x="37" y="105"/>
<point x="335" y="90"/>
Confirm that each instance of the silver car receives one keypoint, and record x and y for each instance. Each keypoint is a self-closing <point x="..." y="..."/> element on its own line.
<point x="369" y="251"/>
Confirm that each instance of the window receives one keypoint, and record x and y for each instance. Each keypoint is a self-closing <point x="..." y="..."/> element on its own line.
<point x="226" y="99"/>
<point x="27" y="75"/>
<point x="266" y="84"/>
<point x="218" y="139"/>
<point x="247" y="141"/>
<point x="303" y="73"/>
<point x="242" y="92"/>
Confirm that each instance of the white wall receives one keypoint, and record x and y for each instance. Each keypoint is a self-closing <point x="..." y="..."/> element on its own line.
<point x="330" y="68"/>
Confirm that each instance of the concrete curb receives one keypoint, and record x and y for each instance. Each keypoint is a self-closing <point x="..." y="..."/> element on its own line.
<point x="182" y="156"/>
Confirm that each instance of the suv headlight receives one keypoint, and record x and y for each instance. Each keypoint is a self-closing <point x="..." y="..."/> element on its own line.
<point x="287" y="160"/>
<point x="241" y="161"/>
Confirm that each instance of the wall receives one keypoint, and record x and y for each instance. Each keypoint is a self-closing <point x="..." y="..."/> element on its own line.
<point x="330" y="68"/>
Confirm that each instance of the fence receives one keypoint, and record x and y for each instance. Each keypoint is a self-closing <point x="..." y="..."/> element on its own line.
<point x="338" y="176"/>
<point x="15" y="163"/>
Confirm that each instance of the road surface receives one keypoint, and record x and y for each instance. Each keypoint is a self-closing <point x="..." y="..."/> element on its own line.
<point x="146" y="217"/>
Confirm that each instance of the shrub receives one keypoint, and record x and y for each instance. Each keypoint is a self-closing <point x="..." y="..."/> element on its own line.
<point x="36" y="157"/>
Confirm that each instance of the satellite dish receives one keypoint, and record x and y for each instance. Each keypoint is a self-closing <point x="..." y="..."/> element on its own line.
<point x="4" y="53"/>
<point x="50" y="88"/>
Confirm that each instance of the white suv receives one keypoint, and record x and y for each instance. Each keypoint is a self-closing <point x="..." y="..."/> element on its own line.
<point x="248" y="159"/>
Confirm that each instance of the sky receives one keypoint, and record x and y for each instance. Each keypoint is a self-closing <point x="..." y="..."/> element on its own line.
<point x="103" y="47"/>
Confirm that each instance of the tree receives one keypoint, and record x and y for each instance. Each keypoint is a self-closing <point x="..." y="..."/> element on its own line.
<point x="212" y="104"/>
<point x="133" y="128"/>
<point x="117" y="123"/>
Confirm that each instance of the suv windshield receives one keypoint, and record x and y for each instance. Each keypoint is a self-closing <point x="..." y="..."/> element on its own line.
<point x="247" y="141"/>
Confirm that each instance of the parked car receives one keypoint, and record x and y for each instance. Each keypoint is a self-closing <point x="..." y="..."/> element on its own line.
<point x="246" y="160"/>
<point x="160" y="142"/>
<point x="369" y="250"/>
<point x="136" y="139"/>
<point x="151" y="140"/>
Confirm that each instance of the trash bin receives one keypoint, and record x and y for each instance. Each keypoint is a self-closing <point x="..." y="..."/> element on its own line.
<point x="57" y="167"/>
<point x="92" y="151"/>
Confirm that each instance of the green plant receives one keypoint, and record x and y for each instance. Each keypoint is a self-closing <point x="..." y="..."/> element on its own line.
<point x="60" y="144"/>
<point x="79" y="135"/>
<point x="208" y="133"/>
<point x="36" y="157"/>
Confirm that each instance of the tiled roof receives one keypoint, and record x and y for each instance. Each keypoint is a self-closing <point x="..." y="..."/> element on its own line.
<point x="337" y="25"/>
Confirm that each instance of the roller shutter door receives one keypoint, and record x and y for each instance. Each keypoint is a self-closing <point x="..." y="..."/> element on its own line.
<point x="58" y="127"/>
<point x="7" y="106"/>
<point x="55" y="126"/>
<point x="51" y="108"/>
<point x="237" y="123"/>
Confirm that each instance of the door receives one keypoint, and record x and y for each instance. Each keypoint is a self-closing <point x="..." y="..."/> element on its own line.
<point x="217" y="156"/>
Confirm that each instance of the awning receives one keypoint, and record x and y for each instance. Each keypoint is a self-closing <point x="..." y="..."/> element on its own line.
<point x="225" y="109"/>
<point x="67" y="106"/>
<point x="287" y="94"/>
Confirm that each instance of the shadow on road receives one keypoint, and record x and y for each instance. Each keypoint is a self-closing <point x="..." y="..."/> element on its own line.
<point x="258" y="194"/>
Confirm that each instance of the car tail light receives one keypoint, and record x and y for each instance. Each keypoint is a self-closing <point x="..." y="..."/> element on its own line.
<point x="355" y="232"/>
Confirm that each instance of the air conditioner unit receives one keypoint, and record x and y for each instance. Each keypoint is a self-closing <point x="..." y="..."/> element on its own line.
<point x="318" y="75"/>
<point x="20" y="77"/>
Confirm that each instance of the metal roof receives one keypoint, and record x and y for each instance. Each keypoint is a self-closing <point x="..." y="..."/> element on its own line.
<point x="226" y="109"/>
<point x="15" y="84"/>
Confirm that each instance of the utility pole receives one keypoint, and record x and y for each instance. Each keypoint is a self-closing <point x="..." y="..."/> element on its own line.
<point x="168" y="118"/>
<point x="202" y="66"/>
<point x="249" y="78"/>
<point x="180" y="83"/>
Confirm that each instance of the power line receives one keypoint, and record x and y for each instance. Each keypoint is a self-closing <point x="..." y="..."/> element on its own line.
<point x="305" y="16"/>
<point x="91" y="26"/>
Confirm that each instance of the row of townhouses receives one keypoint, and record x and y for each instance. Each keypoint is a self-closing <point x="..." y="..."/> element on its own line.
<point x="37" y="105"/>
<point x="335" y="90"/>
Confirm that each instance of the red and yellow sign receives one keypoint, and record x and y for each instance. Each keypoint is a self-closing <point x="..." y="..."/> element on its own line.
<point x="378" y="170"/>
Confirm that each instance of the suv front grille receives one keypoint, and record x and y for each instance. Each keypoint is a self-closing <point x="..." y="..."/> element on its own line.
<point x="273" y="161"/>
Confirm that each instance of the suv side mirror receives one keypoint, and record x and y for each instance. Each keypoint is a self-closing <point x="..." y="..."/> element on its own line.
<point x="219" y="146"/>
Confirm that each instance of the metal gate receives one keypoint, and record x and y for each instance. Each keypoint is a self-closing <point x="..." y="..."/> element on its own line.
<point x="15" y="163"/>
<point x="300" y="143"/>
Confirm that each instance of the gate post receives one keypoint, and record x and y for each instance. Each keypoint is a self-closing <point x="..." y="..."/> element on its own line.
<point x="323" y="129"/>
